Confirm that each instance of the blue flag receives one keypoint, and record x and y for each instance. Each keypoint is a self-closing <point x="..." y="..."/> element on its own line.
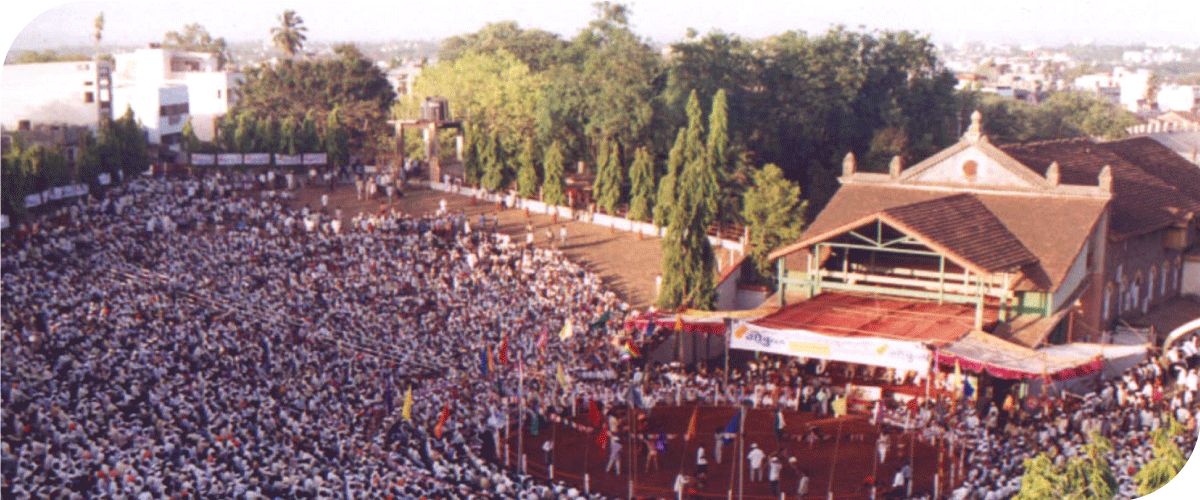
<point x="661" y="443"/>
<point x="483" y="362"/>
<point x="732" y="428"/>
<point x="968" y="389"/>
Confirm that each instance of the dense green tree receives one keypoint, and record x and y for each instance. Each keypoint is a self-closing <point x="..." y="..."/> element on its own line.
<point x="131" y="143"/>
<point x="288" y="132"/>
<point x="243" y="136"/>
<point x="537" y="49"/>
<point x="494" y="161"/>
<point x="348" y="81"/>
<point x="641" y="189"/>
<point x="552" y="184"/>
<point x="1167" y="462"/>
<point x="666" y="199"/>
<point x="289" y="36"/>
<point x="774" y="215"/>
<point x="527" y="175"/>
<point x="689" y="263"/>
<point x="1085" y="477"/>
<point x="45" y="56"/>
<point x="195" y="38"/>
<point x="610" y="178"/>
<point x="472" y="155"/>
<point x="190" y="142"/>
<point x="336" y="138"/>
<point x="308" y="136"/>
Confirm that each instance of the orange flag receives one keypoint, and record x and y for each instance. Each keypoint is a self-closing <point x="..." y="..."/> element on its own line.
<point x="437" y="431"/>
<point x="691" y="429"/>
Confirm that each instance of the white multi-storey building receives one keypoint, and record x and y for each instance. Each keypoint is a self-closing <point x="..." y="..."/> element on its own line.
<point x="72" y="93"/>
<point x="165" y="87"/>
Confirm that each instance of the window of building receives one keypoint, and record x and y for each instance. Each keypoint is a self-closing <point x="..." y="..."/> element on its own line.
<point x="89" y="96"/>
<point x="218" y="93"/>
<point x="1108" y="296"/>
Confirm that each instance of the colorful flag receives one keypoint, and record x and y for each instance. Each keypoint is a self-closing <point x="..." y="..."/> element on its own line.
<point x="649" y="329"/>
<point x="839" y="407"/>
<point x="437" y="430"/>
<point x="661" y="443"/>
<point x="779" y="423"/>
<point x="543" y="337"/>
<point x="485" y="361"/>
<point x="732" y="428"/>
<point x="502" y="357"/>
<point x="632" y="350"/>
<point x="678" y="322"/>
<point x="568" y="330"/>
<point x="406" y="410"/>
<point x="600" y="321"/>
<point x="562" y="379"/>
<point x="533" y="422"/>
<point x="691" y="428"/>
<point x="602" y="439"/>
<point x="594" y="415"/>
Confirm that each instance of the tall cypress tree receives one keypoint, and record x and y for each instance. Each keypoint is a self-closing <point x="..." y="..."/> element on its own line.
<point x="288" y="131"/>
<point x="689" y="264"/>
<point x="641" y="188"/>
<point x="527" y="176"/>
<point x="494" y="160"/>
<point x="336" y="137"/>
<point x="666" y="198"/>
<point x="471" y="155"/>
<point x="612" y="174"/>
<point x="552" y="184"/>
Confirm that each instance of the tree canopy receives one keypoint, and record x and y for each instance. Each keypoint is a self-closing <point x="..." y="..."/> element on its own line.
<point x="349" y="82"/>
<point x="195" y="38"/>
<point x="289" y="35"/>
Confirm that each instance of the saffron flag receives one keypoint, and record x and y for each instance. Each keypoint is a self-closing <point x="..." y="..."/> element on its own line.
<point x="502" y="356"/>
<point x="678" y="323"/>
<point x="562" y="379"/>
<point x="437" y="430"/>
<point x="839" y="407"/>
<point x="568" y="330"/>
<point x="779" y="423"/>
<point x="406" y="410"/>
<point x="691" y="428"/>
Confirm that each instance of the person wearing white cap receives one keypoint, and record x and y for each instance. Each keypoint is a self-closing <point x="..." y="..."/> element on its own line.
<point x="756" y="457"/>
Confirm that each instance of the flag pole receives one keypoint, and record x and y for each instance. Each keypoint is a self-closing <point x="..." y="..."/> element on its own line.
<point x="741" y="449"/>
<point x="833" y="464"/>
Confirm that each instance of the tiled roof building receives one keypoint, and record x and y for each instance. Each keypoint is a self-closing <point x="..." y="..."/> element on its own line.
<point x="1050" y="242"/>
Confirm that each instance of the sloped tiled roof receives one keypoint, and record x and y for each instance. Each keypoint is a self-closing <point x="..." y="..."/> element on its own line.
<point x="1053" y="229"/>
<point x="1160" y="161"/>
<point x="1141" y="202"/>
<point x="962" y="225"/>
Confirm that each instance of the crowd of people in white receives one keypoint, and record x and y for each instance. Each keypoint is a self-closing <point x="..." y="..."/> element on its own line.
<point x="198" y="338"/>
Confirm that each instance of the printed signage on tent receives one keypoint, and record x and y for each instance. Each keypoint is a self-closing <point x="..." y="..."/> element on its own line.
<point x="289" y="159"/>
<point x="315" y="158"/>
<point x="898" y="354"/>
<point x="104" y="179"/>
<point x="229" y="159"/>
<point x="257" y="158"/>
<point x="33" y="200"/>
<point x="204" y="159"/>
<point x="3" y="221"/>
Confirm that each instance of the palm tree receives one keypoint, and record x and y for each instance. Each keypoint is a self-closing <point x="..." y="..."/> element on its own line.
<point x="289" y="35"/>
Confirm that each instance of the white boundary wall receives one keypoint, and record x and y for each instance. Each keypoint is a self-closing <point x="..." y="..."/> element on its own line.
<point x="604" y="220"/>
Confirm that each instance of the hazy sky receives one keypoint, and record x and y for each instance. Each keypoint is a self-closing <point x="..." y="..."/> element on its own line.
<point x="29" y="25"/>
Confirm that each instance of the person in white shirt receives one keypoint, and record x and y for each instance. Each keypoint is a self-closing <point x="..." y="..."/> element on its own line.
<point x="756" y="457"/>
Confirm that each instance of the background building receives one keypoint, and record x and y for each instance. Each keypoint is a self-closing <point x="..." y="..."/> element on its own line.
<point x="74" y="93"/>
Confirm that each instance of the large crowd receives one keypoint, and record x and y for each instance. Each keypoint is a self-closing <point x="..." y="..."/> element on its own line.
<point x="200" y="338"/>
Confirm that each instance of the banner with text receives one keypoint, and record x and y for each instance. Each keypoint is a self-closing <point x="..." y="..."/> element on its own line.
<point x="873" y="351"/>
<point x="315" y="158"/>
<point x="229" y="159"/>
<point x="288" y="159"/>
<point x="257" y="158"/>
<point x="204" y="159"/>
